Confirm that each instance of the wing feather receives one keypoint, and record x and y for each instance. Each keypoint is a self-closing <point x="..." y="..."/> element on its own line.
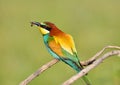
<point x="64" y="47"/>
<point x="66" y="42"/>
<point x="55" y="47"/>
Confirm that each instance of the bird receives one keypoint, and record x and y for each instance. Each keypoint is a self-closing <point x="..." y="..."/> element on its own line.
<point x="60" y="45"/>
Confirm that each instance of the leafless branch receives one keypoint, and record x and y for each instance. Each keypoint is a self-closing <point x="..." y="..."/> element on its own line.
<point x="90" y="67"/>
<point x="92" y="59"/>
<point x="91" y="62"/>
<point x="38" y="72"/>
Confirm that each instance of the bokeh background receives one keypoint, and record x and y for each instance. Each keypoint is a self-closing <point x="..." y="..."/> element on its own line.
<point x="93" y="24"/>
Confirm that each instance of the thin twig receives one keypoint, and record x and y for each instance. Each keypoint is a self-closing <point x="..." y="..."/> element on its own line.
<point x="38" y="72"/>
<point x="90" y="67"/>
<point x="92" y="59"/>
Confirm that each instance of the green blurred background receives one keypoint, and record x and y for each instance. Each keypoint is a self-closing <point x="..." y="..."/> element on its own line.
<point x="93" y="24"/>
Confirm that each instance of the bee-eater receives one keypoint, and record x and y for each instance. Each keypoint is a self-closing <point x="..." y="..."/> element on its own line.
<point x="60" y="45"/>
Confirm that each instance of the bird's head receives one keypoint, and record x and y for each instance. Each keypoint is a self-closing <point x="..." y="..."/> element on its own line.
<point x="44" y="27"/>
<point x="47" y="27"/>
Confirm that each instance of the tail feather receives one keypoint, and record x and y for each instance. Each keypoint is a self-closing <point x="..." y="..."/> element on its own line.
<point x="77" y="68"/>
<point x="86" y="80"/>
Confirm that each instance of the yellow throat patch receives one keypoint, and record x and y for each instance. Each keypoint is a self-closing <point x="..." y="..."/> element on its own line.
<point x="43" y="31"/>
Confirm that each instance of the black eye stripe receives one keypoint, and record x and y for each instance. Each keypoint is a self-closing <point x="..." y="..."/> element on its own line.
<point x="43" y="26"/>
<point x="47" y="28"/>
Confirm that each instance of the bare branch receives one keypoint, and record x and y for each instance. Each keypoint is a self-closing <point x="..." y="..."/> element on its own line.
<point x="90" y="67"/>
<point x="39" y="71"/>
<point x="92" y="59"/>
<point x="89" y="62"/>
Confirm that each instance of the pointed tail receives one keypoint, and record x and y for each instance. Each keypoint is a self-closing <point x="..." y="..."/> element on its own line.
<point x="76" y="67"/>
<point x="86" y="80"/>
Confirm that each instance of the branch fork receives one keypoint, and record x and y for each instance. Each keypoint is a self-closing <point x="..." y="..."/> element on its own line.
<point x="90" y="64"/>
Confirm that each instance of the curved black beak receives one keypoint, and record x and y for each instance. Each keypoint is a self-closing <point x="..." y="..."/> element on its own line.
<point x="35" y="23"/>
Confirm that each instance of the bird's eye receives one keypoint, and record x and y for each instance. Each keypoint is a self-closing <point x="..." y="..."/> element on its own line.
<point x="45" y="26"/>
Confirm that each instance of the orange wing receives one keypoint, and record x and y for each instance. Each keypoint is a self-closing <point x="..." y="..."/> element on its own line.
<point x="55" y="47"/>
<point x="66" y="42"/>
